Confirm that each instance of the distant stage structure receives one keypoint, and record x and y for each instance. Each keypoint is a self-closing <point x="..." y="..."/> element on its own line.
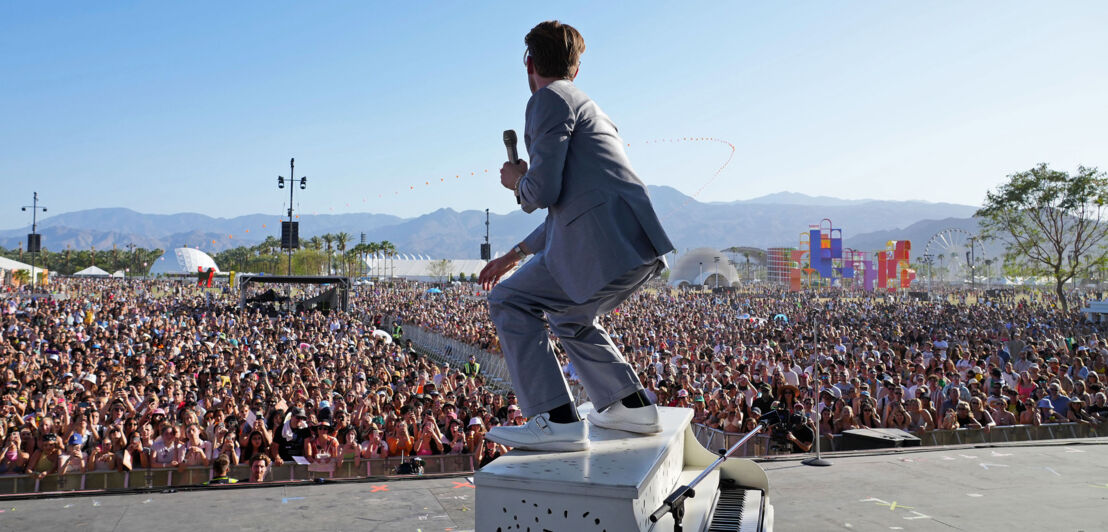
<point x="703" y="267"/>
<point x="182" y="261"/>
<point x="820" y="260"/>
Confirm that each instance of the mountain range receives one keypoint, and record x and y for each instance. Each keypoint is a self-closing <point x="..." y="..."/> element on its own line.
<point x="773" y="220"/>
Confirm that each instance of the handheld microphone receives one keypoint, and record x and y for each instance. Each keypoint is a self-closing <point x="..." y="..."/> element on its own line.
<point x="510" y="143"/>
<point x="513" y="156"/>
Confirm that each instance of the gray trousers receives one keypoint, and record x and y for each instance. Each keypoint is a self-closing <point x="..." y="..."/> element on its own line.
<point x="523" y="305"/>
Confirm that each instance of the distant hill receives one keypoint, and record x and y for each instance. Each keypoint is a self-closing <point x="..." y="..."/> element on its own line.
<point x="773" y="220"/>
<point x="796" y="198"/>
<point x="920" y="233"/>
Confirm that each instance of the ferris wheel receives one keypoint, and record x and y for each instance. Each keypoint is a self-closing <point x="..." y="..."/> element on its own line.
<point x="948" y="253"/>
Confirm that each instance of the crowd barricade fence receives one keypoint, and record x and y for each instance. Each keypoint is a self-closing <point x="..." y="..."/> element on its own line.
<point x="456" y="353"/>
<point x="493" y="366"/>
<point x="715" y="439"/>
<point x="192" y="476"/>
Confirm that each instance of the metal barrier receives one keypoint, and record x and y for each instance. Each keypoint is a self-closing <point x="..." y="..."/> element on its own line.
<point x="171" y="477"/>
<point x="713" y="439"/>
<point x="493" y="366"/>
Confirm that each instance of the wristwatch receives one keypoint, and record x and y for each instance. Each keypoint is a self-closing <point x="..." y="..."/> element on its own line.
<point x="519" y="251"/>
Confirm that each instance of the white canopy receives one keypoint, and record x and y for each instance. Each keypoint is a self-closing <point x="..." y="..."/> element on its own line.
<point x="92" y="271"/>
<point x="14" y="265"/>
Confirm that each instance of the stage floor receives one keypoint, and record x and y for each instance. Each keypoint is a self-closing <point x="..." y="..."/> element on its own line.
<point x="1057" y="486"/>
<point x="1060" y="486"/>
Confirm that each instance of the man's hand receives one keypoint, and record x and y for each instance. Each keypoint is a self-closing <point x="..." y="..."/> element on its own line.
<point x="511" y="172"/>
<point x="496" y="269"/>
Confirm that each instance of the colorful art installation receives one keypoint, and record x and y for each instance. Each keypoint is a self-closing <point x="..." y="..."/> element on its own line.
<point x="820" y="260"/>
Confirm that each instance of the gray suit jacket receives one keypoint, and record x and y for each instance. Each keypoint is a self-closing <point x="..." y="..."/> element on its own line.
<point x="599" y="223"/>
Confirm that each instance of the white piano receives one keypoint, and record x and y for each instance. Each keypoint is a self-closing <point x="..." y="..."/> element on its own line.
<point x="617" y="484"/>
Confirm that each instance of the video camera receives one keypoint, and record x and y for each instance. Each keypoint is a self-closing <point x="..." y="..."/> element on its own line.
<point x="411" y="467"/>
<point x="779" y="423"/>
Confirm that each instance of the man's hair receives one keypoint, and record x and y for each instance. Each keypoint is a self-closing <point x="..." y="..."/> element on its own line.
<point x="555" y="49"/>
<point x="221" y="464"/>
<point x="260" y="458"/>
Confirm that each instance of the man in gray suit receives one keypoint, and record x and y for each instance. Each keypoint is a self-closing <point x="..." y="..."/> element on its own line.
<point x="600" y="242"/>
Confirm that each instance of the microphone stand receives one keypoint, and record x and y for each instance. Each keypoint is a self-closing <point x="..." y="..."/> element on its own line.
<point x="816" y="460"/>
<point x="675" y="503"/>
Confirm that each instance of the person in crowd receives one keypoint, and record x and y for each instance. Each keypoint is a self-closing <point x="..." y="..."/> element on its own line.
<point x="197" y="452"/>
<point x="221" y="466"/>
<point x="489" y="451"/>
<point x="47" y="459"/>
<point x="1030" y="415"/>
<point x="899" y="417"/>
<point x="258" y="442"/>
<point x="168" y="450"/>
<point x="136" y="454"/>
<point x="74" y="459"/>
<point x="323" y="448"/>
<point x="374" y="445"/>
<point x="292" y="435"/>
<point x="998" y="409"/>
<point x="108" y="456"/>
<point x="14" y="458"/>
<point x="226" y="445"/>
<point x="400" y="441"/>
<point x="960" y="417"/>
<point x="869" y="417"/>
<point x="1076" y="412"/>
<point x="259" y="467"/>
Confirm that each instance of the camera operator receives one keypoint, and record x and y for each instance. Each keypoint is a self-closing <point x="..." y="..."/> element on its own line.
<point x="788" y="433"/>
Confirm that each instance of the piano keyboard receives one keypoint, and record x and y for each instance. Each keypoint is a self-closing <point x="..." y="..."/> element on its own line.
<point x="738" y="510"/>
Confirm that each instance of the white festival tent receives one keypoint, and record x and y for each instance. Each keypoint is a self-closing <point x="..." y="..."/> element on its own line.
<point x="92" y="271"/>
<point x="418" y="268"/>
<point x="14" y="265"/>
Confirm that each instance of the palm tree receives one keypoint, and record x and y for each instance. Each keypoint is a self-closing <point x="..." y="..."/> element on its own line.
<point x="389" y="249"/>
<point x="315" y="243"/>
<point x="340" y="243"/>
<point x="361" y="251"/>
<point x="328" y="239"/>
<point x="368" y="250"/>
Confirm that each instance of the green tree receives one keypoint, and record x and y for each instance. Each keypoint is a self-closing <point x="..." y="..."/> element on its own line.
<point x="1049" y="220"/>
<point x="441" y="269"/>
<point x="340" y="244"/>
<point x="388" y="248"/>
<point x="328" y="239"/>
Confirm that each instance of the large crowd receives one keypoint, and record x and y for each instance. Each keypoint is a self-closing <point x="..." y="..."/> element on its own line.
<point x="117" y="375"/>
<point x="122" y="374"/>
<point x="883" y="361"/>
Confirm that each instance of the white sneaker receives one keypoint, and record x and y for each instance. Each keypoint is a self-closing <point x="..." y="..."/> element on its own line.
<point x="540" y="434"/>
<point x="642" y="420"/>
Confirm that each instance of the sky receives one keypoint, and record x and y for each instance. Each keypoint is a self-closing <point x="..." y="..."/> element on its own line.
<point x="399" y="107"/>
